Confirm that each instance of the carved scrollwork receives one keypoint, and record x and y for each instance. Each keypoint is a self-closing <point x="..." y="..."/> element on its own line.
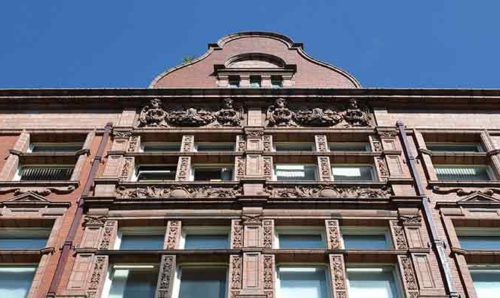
<point x="338" y="274"/>
<point x="227" y="116"/>
<point x="166" y="276"/>
<point x="190" y="117"/>
<point x="408" y="274"/>
<point x="98" y="275"/>
<point x="267" y="227"/>
<point x="236" y="272"/>
<point x="317" y="117"/>
<point x="399" y="236"/>
<point x="178" y="192"/>
<point x="94" y="220"/>
<point x="357" y="115"/>
<point x="279" y="115"/>
<point x="236" y="234"/>
<point x="153" y="114"/>
<point x="268" y="272"/>
<point x="329" y="191"/>
<point x="42" y="191"/>
<point x="465" y="192"/>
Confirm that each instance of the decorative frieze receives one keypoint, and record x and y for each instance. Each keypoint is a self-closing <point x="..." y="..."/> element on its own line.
<point x="178" y="192"/>
<point x="333" y="234"/>
<point x="42" y="191"/>
<point x="329" y="191"/>
<point x="349" y="115"/>
<point x="155" y="115"/>
<point x="94" y="220"/>
<point x="337" y="269"/>
<point x="166" y="277"/>
<point x="173" y="234"/>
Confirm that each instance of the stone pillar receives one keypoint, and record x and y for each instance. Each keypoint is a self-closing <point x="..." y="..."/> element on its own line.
<point x="338" y="276"/>
<point x="410" y="286"/>
<point x="173" y="234"/>
<point x="324" y="168"/>
<point x="489" y="146"/>
<point x="166" y="276"/>
<point x="333" y="234"/>
<point x="98" y="276"/>
<point x="321" y="143"/>
<point x="187" y="143"/>
<point x="183" y="172"/>
<point x="11" y="165"/>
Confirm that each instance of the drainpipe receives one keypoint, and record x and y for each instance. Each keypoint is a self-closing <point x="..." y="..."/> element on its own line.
<point x="75" y="224"/>
<point x="437" y="244"/>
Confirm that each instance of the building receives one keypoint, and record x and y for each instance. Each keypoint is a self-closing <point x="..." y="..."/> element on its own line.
<point x="252" y="171"/>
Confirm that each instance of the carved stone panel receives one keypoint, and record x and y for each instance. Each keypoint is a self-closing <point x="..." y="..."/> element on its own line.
<point x="382" y="168"/>
<point x="333" y="234"/>
<point x="183" y="168"/>
<point x="321" y="143"/>
<point x="268" y="275"/>
<point x="241" y="143"/>
<point x="98" y="276"/>
<point x="127" y="169"/>
<point x="268" y="231"/>
<point x="267" y="162"/>
<point x="337" y="269"/>
<point x="187" y="143"/>
<point x="267" y="143"/>
<point x="408" y="276"/>
<point x="134" y="144"/>
<point x="173" y="236"/>
<point x="236" y="234"/>
<point x="235" y="273"/>
<point x="109" y="232"/>
<point x="240" y="166"/>
<point x="325" y="170"/>
<point x="252" y="271"/>
<point x="398" y="235"/>
<point x="166" y="276"/>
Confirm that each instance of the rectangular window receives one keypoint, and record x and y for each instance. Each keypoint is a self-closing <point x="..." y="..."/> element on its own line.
<point x="462" y="173"/>
<point x="161" y="147"/>
<point x="206" y="282"/>
<point x="352" y="173"/>
<point x="300" y="238"/>
<point x="348" y="146"/>
<point x="234" y="82"/>
<point x="372" y="282"/>
<point x="479" y="238"/>
<point x="205" y="238"/>
<point x="214" y="147"/>
<point x="486" y="281"/>
<point x="255" y="81"/>
<point x="276" y="81"/>
<point x="294" y="172"/>
<point x="207" y="173"/>
<point x="296" y="146"/>
<point x="15" y="281"/>
<point x="150" y="238"/>
<point x="133" y="281"/>
<point x="55" y="147"/>
<point x="454" y="147"/>
<point x="301" y="282"/>
<point x="365" y="238"/>
<point x="44" y="173"/>
<point x="23" y="238"/>
<point x="156" y="173"/>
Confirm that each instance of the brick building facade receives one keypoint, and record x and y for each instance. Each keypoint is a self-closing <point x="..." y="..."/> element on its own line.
<point x="252" y="171"/>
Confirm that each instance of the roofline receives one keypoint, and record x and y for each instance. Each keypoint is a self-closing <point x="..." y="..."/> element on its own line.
<point x="299" y="47"/>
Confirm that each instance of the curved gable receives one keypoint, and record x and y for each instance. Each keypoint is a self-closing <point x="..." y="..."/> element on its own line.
<point x="258" y="53"/>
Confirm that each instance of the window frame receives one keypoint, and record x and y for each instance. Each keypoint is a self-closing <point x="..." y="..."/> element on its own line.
<point x="205" y="230"/>
<point x="17" y="230"/>
<point x="55" y="144"/>
<point x="109" y="281"/>
<point x="372" y="267"/>
<point x="298" y="230"/>
<point x="477" y="231"/>
<point x="23" y="265"/>
<point x="212" y="166"/>
<point x="316" y="173"/>
<point x="144" y="144"/>
<point x="135" y="175"/>
<point x="176" y="288"/>
<point x="366" y="145"/>
<point x="233" y="79"/>
<point x="298" y="266"/>
<point x="373" y="171"/>
<point x="313" y="146"/>
<point x="215" y="144"/>
<point x="478" y="146"/>
<point x="489" y="172"/>
<point x="359" y="230"/>
<point x="18" y="176"/>
<point x="141" y="231"/>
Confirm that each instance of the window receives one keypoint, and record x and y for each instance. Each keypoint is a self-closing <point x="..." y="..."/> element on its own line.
<point x="150" y="238"/>
<point x="15" y="281"/>
<point x="155" y="173"/>
<point x="234" y="82"/>
<point x="349" y="146"/>
<point x="55" y="147"/>
<point x="214" y="147"/>
<point x="463" y="173"/>
<point x="372" y="282"/>
<point x="208" y="173"/>
<point x="365" y="238"/>
<point x="300" y="238"/>
<point x="205" y="238"/>
<point x="206" y="282"/>
<point x="44" y="173"/>
<point x="276" y="81"/>
<point x="486" y="281"/>
<point x="299" y="146"/>
<point x="23" y="238"/>
<point x="454" y="147"/>
<point x="301" y="282"/>
<point x="130" y="281"/>
<point x="255" y="81"/>
<point x="479" y="239"/>
<point x="289" y="172"/>
<point x="352" y="173"/>
<point x="161" y="147"/>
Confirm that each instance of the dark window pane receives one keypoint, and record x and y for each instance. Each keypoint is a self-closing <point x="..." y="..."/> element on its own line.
<point x="213" y="174"/>
<point x="56" y="147"/>
<point x="215" y="147"/>
<point x="349" y="147"/>
<point x="293" y="241"/>
<point x="341" y="173"/>
<point x="173" y="147"/>
<point x="21" y="243"/>
<point x="368" y="242"/>
<point x="462" y="173"/>
<point x="151" y="242"/>
<point x="294" y="146"/>
<point x="45" y="173"/>
<point x="15" y="281"/>
<point x="133" y="282"/>
<point x="206" y="241"/>
<point x="454" y="148"/>
<point x="480" y="242"/>
<point x="200" y="282"/>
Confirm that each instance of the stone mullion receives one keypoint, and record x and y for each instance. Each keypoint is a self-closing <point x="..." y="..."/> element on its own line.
<point x="235" y="275"/>
<point x="338" y="276"/>
<point x="333" y="234"/>
<point x="12" y="163"/>
<point x="187" y="143"/>
<point x="183" y="172"/>
<point x="240" y="166"/>
<point x="267" y="165"/>
<point x="426" y="158"/>
<point x="398" y="235"/>
<point x="268" y="276"/>
<point x="236" y="234"/>
<point x="408" y="276"/>
<point x="321" y="143"/>
<point x="82" y="157"/>
<point x="495" y="158"/>
<point x="173" y="234"/>
<point x="108" y="235"/>
<point x="97" y="278"/>
<point x="166" y="276"/>
<point x="241" y="143"/>
<point x="324" y="168"/>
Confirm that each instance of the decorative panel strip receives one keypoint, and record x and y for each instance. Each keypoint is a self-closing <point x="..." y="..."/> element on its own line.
<point x="398" y="235"/>
<point x="109" y="233"/>
<point x="268" y="231"/>
<point x="408" y="276"/>
<point x="187" y="143"/>
<point x="236" y="234"/>
<point x="337" y="269"/>
<point x="332" y="234"/>
<point x="166" y="276"/>
<point x="325" y="170"/>
<point x="268" y="276"/>
<point x="173" y="234"/>
<point x="98" y="276"/>
<point x="321" y="143"/>
<point x="183" y="169"/>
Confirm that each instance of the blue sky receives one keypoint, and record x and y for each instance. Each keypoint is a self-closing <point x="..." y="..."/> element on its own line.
<point x="125" y="43"/>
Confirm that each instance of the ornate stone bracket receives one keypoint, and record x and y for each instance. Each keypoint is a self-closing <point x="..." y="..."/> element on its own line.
<point x="465" y="192"/>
